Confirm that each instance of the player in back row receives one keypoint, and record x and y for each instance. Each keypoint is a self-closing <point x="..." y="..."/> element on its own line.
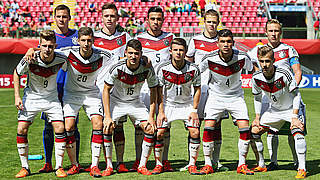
<point x="155" y="45"/>
<point x="279" y="85"/>
<point x="199" y="46"/>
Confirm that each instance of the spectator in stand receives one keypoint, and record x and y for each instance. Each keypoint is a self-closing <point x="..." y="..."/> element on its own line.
<point x="14" y="5"/>
<point x="42" y="18"/>
<point x="210" y="5"/>
<point x="179" y="6"/>
<point x="167" y="7"/>
<point x="123" y="12"/>
<point x="173" y="7"/>
<point x="316" y="28"/>
<point x="92" y="7"/>
<point x="261" y="10"/>
<point x="194" y="7"/>
<point x="140" y="25"/>
<point x="187" y="7"/>
<point x="202" y="4"/>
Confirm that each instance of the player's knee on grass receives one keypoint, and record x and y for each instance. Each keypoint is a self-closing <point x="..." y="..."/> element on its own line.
<point x="58" y="126"/>
<point x="194" y="132"/>
<point x="23" y="127"/>
<point x="96" y="121"/>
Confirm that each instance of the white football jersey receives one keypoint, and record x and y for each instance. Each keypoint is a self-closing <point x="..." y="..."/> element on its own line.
<point x="225" y="77"/>
<point x="82" y="73"/>
<point x="200" y="45"/>
<point x="278" y="89"/>
<point x="177" y="83"/>
<point x="156" y="48"/>
<point x="115" y="44"/>
<point x="41" y="76"/>
<point x="126" y="83"/>
<point x="282" y="54"/>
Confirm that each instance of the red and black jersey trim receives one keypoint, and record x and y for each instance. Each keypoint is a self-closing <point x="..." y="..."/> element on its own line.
<point x="45" y="71"/>
<point x="84" y="68"/>
<point x="205" y="45"/>
<point x="178" y="78"/>
<point x="156" y="45"/>
<point x="132" y="79"/>
<point x="226" y="70"/>
<point x="110" y="44"/>
<point x="271" y="87"/>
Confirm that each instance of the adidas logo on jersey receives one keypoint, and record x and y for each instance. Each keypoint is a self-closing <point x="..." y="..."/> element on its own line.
<point x="75" y="63"/>
<point x="169" y="77"/>
<point x="147" y="44"/>
<point x="202" y="45"/>
<point x="101" y="43"/>
<point x="216" y="68"/>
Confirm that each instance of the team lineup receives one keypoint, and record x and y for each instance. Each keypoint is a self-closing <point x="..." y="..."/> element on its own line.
<point x="153" y="80"/>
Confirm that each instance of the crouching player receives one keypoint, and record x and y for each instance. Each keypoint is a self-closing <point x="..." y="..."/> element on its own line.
<point x="177" y="78"/>
<point x="83" y="66"/>
<point x="40" y="95"/>
<point x="121" y="92"/>
<point x="281" y="89"/>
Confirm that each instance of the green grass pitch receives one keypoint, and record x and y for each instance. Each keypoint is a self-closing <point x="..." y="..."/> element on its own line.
<point x="178" y="155"/>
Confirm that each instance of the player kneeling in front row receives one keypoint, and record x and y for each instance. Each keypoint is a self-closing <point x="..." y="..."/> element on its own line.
<point x="177" y="78"/>
<point x="40" y="95"/>
<point x="280" y="87"/>
<point x="121" y="92"/>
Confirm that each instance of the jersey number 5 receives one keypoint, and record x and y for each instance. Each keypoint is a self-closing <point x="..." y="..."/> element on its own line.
<point x="158" y="58"/>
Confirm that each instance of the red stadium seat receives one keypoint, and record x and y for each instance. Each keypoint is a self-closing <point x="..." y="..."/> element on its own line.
<point x="176" y="30"/>
<point x="198" y="30"/>
<point x="264" y="19"/>
<point x="235" y="24"/>
<point x="230" y="19"/>
<point x="254" y="31"/>
<point x="194" y="24"/>
<point x="234" y="30"/>
<point x="261" y="30"/>
<point x="182" y="19"/>
<point x="249" y="24"/>
<point x="252" y="19"/>
<point x="244" y="19"/>
<point x="225" y="13"/>
<point x="228" y="24"/>
<point x="186" y="24"/>
<point x="233" y="14"/>
<point x="239" y="31"/>
<point x="193" y="14"/>
<point x="239" y="13"/>
<point x="256" y="24"/>
<point x="237" y="19"/>
<point x="224" y="19"/>
<point x="243" y="24"/>
<point x="247" y="30"/>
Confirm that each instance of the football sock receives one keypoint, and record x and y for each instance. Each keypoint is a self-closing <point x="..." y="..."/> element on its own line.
<point x="48" y="138"/>
<point x="77" y="136"/>
<point x="71" y="147"/>
<point x="158" y="152"/>
<point x="193" y="150"/>
<point x="259" y="149"/>
<point x="146" y="149"/>
<point x="119" y="141"/>
<point x="301" y="147"/>
<point x="292" y="147"/>
<point x="243" y="144"/>
<point x="107" y="138"/>
<point x="166" y="142"/>
<point x="96" y="143"/>
<point x="207" y="141"/>
<point x="59" y="147"/>
<point x="138" y="141"/>
<point x="23" y="149"/>
<point x="273" y="143"/>
<point x="216" y="145"/>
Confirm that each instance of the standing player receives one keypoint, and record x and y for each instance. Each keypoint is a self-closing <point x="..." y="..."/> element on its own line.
<point x="199" y="46"/>
<point x="110" y="39"/>
<point x="177" y="78"/>
<point x="84" y="64"/>
<point x="286" y="57"/>
<point x="40" y="95"/>
<point x="65" y="37"/>
<point x="155" y="45"/>
<point x="279" y="86"/>
<point x="122" y="88"/>
<point x="225" y="93"/>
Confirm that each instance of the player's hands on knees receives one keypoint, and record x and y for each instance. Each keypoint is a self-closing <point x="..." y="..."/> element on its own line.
<point x="29" y="56"/>
<point x="152" y="125"/>
<point x="296" y="123"/>
<point x="18" y="103"/>
<point x="161" y="118"/>
<point x="194" y="118"/>
<point x="108" y="125"/>
<point x="256" y="123"/>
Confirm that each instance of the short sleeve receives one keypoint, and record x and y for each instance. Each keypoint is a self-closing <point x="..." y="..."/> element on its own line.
<point x="290" y="81"/>
<point x="110" y="77"/>
<point x="293" y="53"/>
<point x="152" y="79"/>
<point x="191" y="49"/>
<point x="63" y="51"/>
<point x="248" y="63"/>
<point x="255" y="88"/>
<point x="253" y="55"/>
<point x="197" y="80"/>
<point x="203" y="65"/>
<point x="160" y="77"/>
<point x="22" y="67"/>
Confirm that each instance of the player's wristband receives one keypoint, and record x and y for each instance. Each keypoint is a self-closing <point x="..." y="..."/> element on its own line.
<point x="194" y="110"/>
<point x="294" y="116"/>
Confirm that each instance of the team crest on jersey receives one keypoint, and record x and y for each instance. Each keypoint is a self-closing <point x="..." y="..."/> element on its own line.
<point x="282" y="54"/>
<point x="166" y="42"/>
<point x="279" y="55"/>
<point x="119" y="42"/>
<point x="187" y="76"/>
<point x="75" y="40"/>
<point x="278" y="84"/>
<point x="236" y="67"/>
<point x="95" y="66"/>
